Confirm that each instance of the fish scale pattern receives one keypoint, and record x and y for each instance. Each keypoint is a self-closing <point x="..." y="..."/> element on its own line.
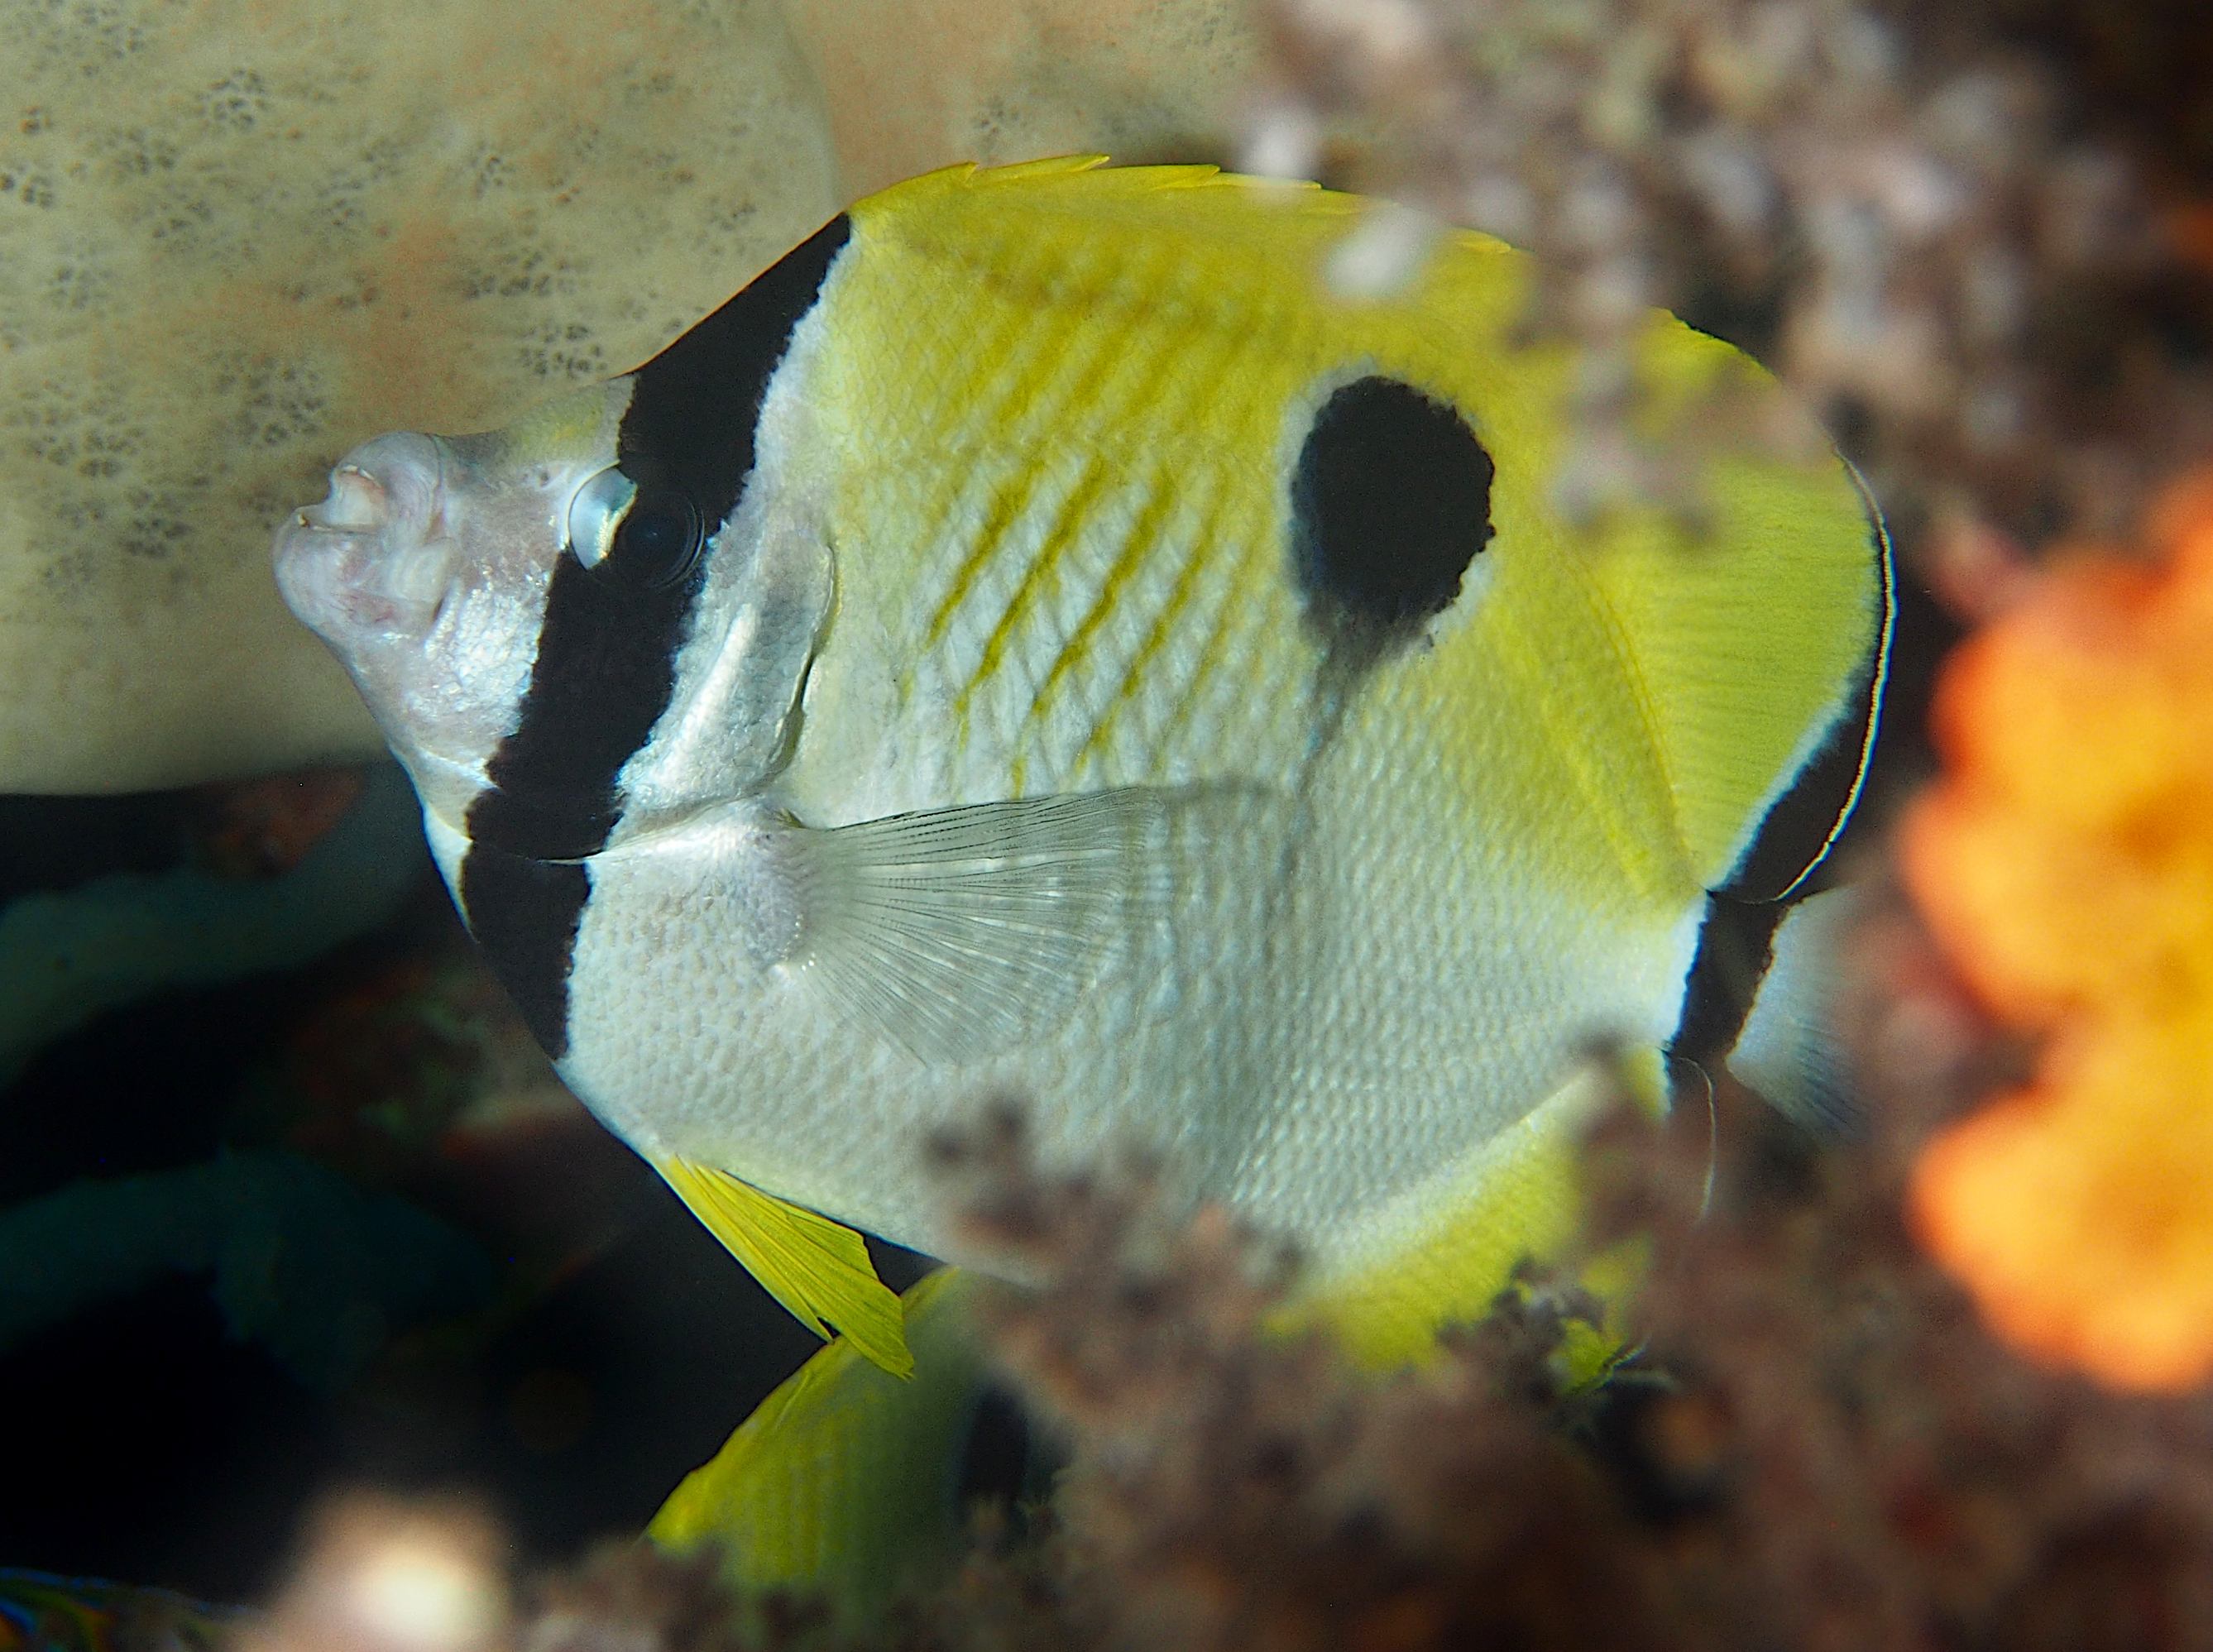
<point x="1075" y="597"/>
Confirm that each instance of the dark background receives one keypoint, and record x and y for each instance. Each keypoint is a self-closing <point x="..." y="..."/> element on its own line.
<point x="144" y="1442"/>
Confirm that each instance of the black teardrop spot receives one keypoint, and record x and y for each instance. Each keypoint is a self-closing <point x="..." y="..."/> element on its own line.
<point x="1390" y="503"/>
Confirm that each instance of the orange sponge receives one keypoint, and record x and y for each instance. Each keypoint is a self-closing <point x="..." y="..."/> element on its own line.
<point x="2065" y="862"/>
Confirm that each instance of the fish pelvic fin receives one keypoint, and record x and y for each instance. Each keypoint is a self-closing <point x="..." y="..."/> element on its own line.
<point x="817" y="1268"/>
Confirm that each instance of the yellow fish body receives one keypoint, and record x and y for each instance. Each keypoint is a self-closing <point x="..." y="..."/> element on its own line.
<point x="1038" y="640"/>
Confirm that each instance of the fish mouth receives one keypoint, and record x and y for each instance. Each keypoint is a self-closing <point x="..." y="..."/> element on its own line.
<point x="372" y="556"/>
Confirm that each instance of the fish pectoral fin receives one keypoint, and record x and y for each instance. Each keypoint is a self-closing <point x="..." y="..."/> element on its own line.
<point x="817" y="1268"/>
<point x="958" y="933"/>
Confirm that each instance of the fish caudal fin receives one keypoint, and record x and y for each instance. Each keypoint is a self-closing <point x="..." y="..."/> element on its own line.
<point x="1788" y="1049"/>
<point x="844" y="1480"/>
<point x="817" y="1268"/>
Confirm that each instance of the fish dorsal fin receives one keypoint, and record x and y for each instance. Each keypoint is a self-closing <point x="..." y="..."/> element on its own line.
<point x="817" y="1268"/>
<point x="958" y="933"/>
<point x="1754" y="647"/>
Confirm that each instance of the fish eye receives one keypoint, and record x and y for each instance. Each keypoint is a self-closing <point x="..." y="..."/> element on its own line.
<point x="652" y="534"/>
<point x="658" y="537"/>
<point x="596" y="512"/>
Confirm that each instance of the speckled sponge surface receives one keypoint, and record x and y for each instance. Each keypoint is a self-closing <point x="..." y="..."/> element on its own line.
<point x="237" y="239"/>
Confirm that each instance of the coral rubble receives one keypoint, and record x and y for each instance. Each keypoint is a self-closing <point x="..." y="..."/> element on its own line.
<point x="1816" y="1447"/>
<point x="1967" y="234"/>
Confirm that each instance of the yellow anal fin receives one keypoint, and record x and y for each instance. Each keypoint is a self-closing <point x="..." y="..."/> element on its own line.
<point x="844" y="1480"/>
<point x="1515" y="1199"/>
<point x="817" y="1268"/>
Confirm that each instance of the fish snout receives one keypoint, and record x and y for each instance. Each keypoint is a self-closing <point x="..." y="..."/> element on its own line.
<point x="373" y="555"/>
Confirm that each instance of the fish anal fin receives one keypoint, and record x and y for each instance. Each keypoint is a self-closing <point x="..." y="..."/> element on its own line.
<point x="1512" y="1199"/>
<point x="817" y="1268"/>
<point x="844" y="1480"/>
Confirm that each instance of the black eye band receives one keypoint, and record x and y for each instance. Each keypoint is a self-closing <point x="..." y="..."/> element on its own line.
<point x="617" y="609"/>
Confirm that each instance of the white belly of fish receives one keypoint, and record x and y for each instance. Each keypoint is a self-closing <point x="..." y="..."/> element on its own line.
<point x="1320" y="1017"/>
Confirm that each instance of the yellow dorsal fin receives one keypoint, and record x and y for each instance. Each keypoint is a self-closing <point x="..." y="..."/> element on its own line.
<point x="1753" y="644"/>
<point x="817" y="1268"/>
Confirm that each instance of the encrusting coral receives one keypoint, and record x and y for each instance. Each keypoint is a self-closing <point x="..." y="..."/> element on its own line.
<point x="1818" y="1447"/>
<point x="2066" y="862"/>
<point x="234" y="243"/>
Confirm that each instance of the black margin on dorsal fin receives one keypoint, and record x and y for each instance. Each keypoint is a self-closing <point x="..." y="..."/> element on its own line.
<point x="606" y="667"/>
<point x="1804" y="823"/>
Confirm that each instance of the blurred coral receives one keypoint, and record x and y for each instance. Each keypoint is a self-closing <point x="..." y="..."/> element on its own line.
<point x="1819" y="1446"/>
<point x="2066" y="863"/>
<point x="317" y="1270"/>
<point x="378" y="1574"/>
<point x="264" y="888"/>
<point x="42" y="1613"/>
<point x="1234" y="1488"/>
<point x="262" y="827"/>
<point x="1963" y="232"/>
